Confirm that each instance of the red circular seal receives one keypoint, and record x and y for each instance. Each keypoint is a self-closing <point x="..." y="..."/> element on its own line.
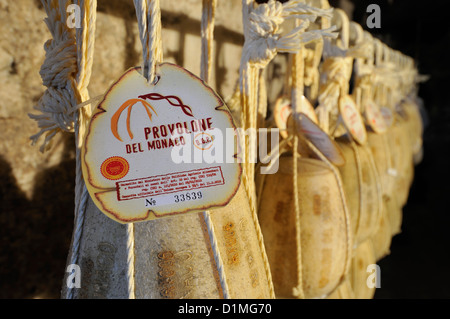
<point x="115" y="167"/>
<point x="203" y="141"/>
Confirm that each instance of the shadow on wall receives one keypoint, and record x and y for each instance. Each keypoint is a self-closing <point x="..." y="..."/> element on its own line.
<point x="418" y="264"/>
<point x="185" y="26"/>
<point x="36" y="232"/>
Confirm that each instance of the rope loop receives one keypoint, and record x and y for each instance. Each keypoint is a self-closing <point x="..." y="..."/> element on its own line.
<point x="148" y="14"/>
<point x="58" y="71"/>
<point x="60" y="62"/>
<point x="264" y="35"/>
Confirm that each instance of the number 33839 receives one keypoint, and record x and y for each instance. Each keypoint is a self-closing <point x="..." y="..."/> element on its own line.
<point x="188" y="196"/>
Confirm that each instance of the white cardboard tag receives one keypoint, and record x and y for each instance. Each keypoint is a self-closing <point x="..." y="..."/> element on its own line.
<point x="374" y="117"/>
<point x="324" y="143"/>
<point x="352" y="119"/>
<point x="152" y="151"/>
<point x="281" y="112"/>
<point x="305" y="107"/>
<point x="283" y="109"/>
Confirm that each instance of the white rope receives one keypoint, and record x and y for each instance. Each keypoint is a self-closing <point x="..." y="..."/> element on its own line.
<point x="86" y="47"/>
<point x="78" y="228"/>
<point x="149" y="24"/>
<point x="217" y="256"/>
<point x="207" y="36"/>
<point x="66" y="73"/>
<point x="298" y="289"/>
<point x="263" y="33"/>
<point x="364" y="67"/>
<point x="207" y="31"/>
<point x="263" y="40"/>
<point x="336" y="72"/>
<point x="85" y="38"/>
<point x="297" y="90"/>
<point x="148" y="15"/>
<point x="57" y="72"/>
<point x="130" y="261"/>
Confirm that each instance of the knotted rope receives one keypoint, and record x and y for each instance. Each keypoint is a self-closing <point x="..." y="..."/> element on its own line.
<point x="336" y="72"/>
<point x="263" y="39"/>
<point x="66" y="72"/>
<point x="311" y="78"/>
<point x="364" y="67"/>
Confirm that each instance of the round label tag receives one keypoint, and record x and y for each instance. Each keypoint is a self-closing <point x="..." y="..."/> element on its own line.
<point x="281" y="112"/>
<point x="283" y="109"/>
<point x="324" y="143"/>
<point x="305" y="107"/>
<point x="374" y="117"/>
<point x="154" y="150"/>
<point x="352" y="119"/>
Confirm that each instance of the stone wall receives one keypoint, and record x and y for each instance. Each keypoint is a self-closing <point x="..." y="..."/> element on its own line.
<point x="36" y="190"/>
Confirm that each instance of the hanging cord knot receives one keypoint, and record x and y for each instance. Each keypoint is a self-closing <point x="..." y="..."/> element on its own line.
<point x="264" y="34"/>
<point x="56" y="114"/>
<point x="366" y="49"/>
<point x="334" y="80"/>
<point x="60" y="62"/>
<point x="364" y="66"/>
<point x="58" y="105"/>
<point x="336" y="72"/>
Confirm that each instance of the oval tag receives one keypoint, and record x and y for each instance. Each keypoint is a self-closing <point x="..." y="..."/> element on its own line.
<point x="283" y="109"/>
<point x="281" y="112"/>
<point x="157" y="150"/>
<point x="306" y="108"/>
<point x="324" y="143"/>
<point x="352" y="119"/>
<point x="374" y="117"/>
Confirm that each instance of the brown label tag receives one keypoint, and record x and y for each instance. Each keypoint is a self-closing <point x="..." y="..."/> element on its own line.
<point x="374" y="117"/>
<point x="154" y="150"/>
<point x="352" y="119"/>
<point x="324" y="143"/>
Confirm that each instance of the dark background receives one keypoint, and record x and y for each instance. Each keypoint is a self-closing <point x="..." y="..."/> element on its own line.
<point x="418" y="264"/>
